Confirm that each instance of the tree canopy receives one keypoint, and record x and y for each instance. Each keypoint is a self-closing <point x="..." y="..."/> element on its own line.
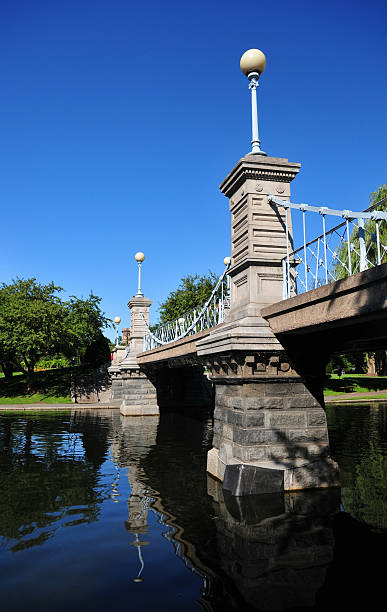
<point x="379" y="194"/>
<point x="35" y="322"/>
<point x="193" y="291"/>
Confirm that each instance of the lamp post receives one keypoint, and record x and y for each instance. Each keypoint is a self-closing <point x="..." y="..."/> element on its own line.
<point x="139" y="257"/>
<point x="227" y="263"/>
<point x="117" y="321"/>
<point x="253" y="63"/>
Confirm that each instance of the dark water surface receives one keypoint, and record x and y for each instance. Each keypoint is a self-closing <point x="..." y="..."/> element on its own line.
<point x="101" y="512"/>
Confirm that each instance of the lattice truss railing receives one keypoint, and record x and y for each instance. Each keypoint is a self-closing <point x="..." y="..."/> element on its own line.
<point x="210" y="314"/>
<point x="356" y="244"/>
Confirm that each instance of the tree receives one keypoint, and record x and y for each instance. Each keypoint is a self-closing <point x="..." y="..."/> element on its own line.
<point x="6" y="362"/>
<point x="35" y="322"/>
<point x="98" y="351"/>
<point x="83" y="323"/>
<point x="31" y="322"/>
<point x="379" y="194"/>
<point x="192" y="292"/>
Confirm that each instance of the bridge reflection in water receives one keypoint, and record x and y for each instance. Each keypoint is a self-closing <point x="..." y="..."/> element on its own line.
<point x="265" y="552"/>
<point x="145" y="476"/>
<point x="275" y="548"/>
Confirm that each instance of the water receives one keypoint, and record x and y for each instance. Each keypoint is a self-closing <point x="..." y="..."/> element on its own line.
<point x="99" y="511"/>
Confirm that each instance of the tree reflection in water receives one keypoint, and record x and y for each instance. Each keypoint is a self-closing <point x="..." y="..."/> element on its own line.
<point x="48" y="477"/>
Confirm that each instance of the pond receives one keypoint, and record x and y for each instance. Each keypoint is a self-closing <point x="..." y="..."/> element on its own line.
<point x="100" y="511"/>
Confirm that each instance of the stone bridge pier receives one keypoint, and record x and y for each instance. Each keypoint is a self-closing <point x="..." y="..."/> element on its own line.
<point x="129" y="383"/>
<point x="270" y="430"/>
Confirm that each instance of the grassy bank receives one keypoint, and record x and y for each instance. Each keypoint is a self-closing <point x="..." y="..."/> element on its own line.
<point x="355" y="383"/>
<point x="48" y="387"/>
<point x="53" y="387"/>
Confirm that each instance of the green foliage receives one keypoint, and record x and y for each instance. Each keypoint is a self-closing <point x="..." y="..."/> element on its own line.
<point x="347" y="362"/>
<point x="339" y="363"/>
<point x="359" y="383"/>
<point x="48" y="386"/>
<point x="379" y="194"/>
<point x="192" y="292"/>
<point x="83" y="323"/>
<point x="35" y="323"/>
<point x="31" y="322"/>
<point x="48" y="363"/>
<point x="98" y="351"/>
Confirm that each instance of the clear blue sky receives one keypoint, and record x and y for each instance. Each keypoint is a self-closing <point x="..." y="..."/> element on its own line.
<point x="120" y="119"/>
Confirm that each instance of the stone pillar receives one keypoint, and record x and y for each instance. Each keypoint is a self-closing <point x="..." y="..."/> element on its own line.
<point x="270" y="431"/>
<point x="258" y="230"/>
<point x="138" y="394"/>
<point x="118" y="354"/>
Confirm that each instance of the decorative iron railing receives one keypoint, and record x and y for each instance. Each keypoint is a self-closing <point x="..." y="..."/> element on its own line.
<point x="359" y="243"/>
<point x="211" y="313"/>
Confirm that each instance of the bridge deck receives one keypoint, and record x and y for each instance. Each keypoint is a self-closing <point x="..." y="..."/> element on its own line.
<point x="349" y="314"/>
<point x="182" y="349"/>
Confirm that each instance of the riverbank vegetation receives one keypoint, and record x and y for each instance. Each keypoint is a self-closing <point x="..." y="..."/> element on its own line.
<point x="49" y="387"/>
<point x="38" y="328"/>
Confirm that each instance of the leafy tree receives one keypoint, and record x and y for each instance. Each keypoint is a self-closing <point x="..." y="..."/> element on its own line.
<point x="35" y="322"/>
<point x="379" y="194"/>
<point x="31" y="322"/>
<point x="83" y="323"/>
<point x="6" y="362"/>
<point x="98" y="352"/>
<point x="193" y="291"/>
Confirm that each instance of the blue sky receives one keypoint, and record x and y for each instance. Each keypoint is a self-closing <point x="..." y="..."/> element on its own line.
<point x="119" y="120"/>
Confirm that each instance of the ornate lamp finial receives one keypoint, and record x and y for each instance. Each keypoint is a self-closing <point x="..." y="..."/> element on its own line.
<point x="139" y="257"/>
<point x="253" y="63"/>
<point x="117" y="321"/>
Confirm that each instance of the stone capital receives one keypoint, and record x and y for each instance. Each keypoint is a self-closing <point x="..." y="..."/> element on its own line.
<point x="261" y="170"/>
<point x="139" y="302"/>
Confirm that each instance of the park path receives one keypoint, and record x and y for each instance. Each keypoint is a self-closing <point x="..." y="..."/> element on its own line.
<point x="356" y="395"/>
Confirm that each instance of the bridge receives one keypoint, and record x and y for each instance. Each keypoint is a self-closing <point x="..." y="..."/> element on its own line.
<point x="259" y="346"/>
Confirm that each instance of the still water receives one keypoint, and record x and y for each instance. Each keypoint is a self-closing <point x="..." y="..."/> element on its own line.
<point x="101" y="512"/>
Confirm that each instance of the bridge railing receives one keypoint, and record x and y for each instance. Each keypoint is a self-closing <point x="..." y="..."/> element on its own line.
<point x="356" y="244"/>
<point x="210" y="314"/>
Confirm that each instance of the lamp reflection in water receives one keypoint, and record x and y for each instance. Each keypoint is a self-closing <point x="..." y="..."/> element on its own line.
<point x="138" y="544"/>
<point x="137" y="522"/>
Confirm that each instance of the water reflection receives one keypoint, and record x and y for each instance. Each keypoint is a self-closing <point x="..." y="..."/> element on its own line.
<point x="101" y="503"/>
<point x="276" y="548"/>
<point x="138" y="434"/>
<point x="48" y="478"/>
<point x="358" y="442"/>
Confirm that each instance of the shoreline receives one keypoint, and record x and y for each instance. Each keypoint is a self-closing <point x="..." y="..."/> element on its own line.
<point x="61" y="407"/>
<point x="350" y="398"/>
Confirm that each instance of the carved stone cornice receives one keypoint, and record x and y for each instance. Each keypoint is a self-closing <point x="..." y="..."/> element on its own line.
<point x="139" y="301"/>
<point x="251" y="366"/>
<point x="259" y="168"/>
